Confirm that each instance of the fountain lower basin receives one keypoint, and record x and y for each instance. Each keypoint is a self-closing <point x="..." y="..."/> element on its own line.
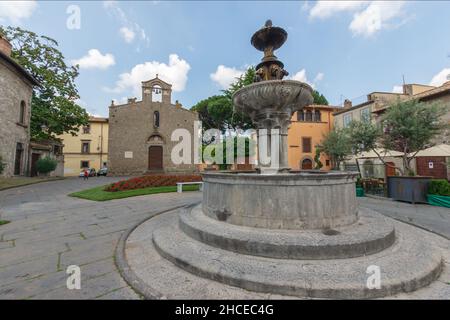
<point x="294" y="201"/>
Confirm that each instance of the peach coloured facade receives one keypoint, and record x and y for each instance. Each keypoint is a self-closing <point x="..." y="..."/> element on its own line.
<point x="309" y="126"/>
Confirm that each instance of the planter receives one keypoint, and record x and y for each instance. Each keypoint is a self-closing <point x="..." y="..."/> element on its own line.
<point x="359" y="192"/>
<point x="409" y="189"/>
<point x="441" y="201"/>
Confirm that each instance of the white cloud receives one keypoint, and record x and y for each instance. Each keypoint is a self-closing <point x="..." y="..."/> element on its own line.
<point x="127" y="34"/>
<point x="175" y="73"/>
<point x="397" y="89"/>
<point x="325" y="9"/>
<point x="376" y="16"/>
<point x="319" y="77"/>
<point x="95" y="60"/>
<point x="225" y="76"/>
<point x="113" y="8"/>
<point x="15" y="11"/>
<point x="301" y="76"/>
<point x="370" y="16"/>
<point x="305" y="6"/>
<point x="440" y="78"/>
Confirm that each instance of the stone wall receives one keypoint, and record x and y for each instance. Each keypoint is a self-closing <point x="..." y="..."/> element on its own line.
<point x="13" y="89"/>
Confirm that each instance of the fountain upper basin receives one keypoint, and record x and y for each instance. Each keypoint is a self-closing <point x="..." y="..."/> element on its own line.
<point x="286" y="96"/>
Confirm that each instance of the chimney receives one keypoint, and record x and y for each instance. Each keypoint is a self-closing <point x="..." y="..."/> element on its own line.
<point x="5" y="46"/>
<point x="347" y="104"/>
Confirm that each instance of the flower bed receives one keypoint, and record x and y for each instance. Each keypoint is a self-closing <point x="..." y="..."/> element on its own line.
<point x="151" y="181"/>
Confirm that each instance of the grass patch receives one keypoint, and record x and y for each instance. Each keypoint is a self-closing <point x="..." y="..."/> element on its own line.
<point x="2" y="222"/>
<point x="99" y="194"/>
<point x="7" y="183"/>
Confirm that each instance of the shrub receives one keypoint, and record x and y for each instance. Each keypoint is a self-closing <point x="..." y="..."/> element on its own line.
<point x="46" y="165"/>
<point x="439" y="187"/>
<point x="151" y="181"/>
<point x="2" y="165"/>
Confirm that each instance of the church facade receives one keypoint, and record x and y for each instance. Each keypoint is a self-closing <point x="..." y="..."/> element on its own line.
<point x="140" y="132"/>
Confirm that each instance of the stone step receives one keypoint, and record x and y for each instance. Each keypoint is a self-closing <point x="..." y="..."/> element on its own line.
<point x="373" y="233"/>
<point x="406" y="266"/>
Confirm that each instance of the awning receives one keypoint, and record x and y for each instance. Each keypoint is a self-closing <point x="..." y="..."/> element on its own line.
<point x="441" y="150"/>
<point x="382" y="152"/>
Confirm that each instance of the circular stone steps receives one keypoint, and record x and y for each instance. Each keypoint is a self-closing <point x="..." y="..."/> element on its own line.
<point x="409" y="264"/>
<point x="373" y="233"/>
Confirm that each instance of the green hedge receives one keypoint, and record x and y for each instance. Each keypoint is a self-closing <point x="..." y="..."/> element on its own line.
<point x="440" y="187"/>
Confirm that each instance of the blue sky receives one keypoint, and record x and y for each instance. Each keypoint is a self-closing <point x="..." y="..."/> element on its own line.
<point x="345" y="49"/>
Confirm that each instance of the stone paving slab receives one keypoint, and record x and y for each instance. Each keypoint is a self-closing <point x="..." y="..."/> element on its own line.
<point x="50" y="231"/>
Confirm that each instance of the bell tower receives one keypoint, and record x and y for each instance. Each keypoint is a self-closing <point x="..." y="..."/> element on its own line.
<point x="156" y="90"/>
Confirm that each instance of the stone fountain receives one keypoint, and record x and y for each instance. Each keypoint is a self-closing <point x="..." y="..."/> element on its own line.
<point x="289" y="233"/>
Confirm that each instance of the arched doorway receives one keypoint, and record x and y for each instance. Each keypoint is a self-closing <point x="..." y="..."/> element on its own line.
<point x="155" y="158"/>
<point x="307" y="164"/>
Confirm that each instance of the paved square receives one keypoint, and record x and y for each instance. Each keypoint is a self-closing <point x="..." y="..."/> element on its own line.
<point x="50" y="231"/>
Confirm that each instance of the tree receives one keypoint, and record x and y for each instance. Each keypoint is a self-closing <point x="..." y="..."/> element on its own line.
<point x="406" y="127"/>
<point x="53" y="104"/>
<point x="249" y="149"/>
<point x="410" y="127"/>
<point x="319" y="164"/>
<point x="319" y="98"/>
<point x="336" y="144"/>
<point x="217" y="112"/>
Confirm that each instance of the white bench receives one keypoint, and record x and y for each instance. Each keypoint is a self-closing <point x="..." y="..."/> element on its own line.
<point x="181" y="184"/>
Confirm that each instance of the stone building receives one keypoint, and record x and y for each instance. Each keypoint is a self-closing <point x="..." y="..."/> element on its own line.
<point x="88" y="149"/>
<point x="16" y="89"/>
<point x="376" y="105"/>
<point x="140" y="132"/>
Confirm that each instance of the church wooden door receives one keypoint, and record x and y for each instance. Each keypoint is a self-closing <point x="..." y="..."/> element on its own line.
<point x="155" y="158"/>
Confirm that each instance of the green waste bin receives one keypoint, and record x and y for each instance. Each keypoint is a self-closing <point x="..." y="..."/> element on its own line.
<point x="359" y="192"/>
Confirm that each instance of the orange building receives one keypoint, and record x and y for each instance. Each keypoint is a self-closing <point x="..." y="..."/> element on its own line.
<point x="307" y="130"/>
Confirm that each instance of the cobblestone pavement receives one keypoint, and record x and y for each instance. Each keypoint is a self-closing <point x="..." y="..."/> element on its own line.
<point x="50" y="231"/>
<point x="431" y="218"/>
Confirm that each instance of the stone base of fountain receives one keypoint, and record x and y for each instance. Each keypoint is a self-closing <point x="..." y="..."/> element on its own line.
<point x="290" y="234"/>
<point x="188" y="255"/>
<point x="295" y="201"/>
